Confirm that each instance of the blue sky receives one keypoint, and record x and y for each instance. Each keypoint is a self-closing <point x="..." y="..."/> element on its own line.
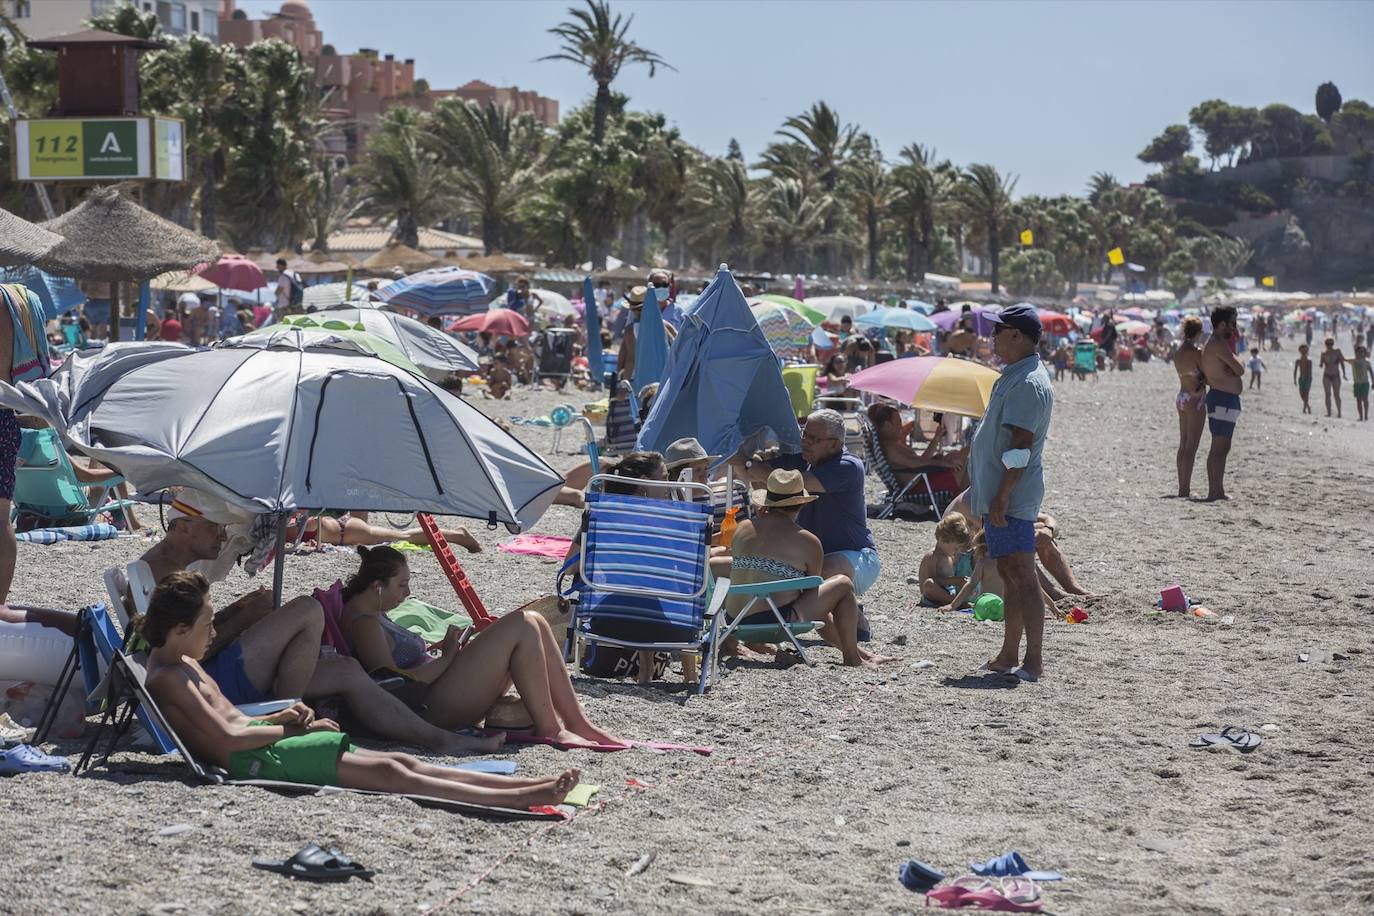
<point x="1049" y="91"/>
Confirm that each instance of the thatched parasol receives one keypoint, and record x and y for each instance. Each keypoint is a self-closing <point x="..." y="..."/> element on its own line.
<point x="496" y="263"/>
<point x="21" y="242"/>
<point x="109" y="237"/>
<point x="403" y="256"/>
<point x="309" y="267"/>
<point x="269" y="261"/>
<point x="181" y="281"/>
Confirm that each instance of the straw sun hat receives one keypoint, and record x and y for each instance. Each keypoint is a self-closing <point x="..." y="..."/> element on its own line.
<point x="785" y="488"/>
<point x="635" y="297"/>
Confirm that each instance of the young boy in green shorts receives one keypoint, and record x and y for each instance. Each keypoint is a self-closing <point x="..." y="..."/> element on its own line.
<point x="1302" y="376"/>
<point x="292" y="745"/>
<point x="1359" y="372"/>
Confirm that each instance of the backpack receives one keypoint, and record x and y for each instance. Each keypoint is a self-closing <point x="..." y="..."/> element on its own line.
<point x="297" y="289"/>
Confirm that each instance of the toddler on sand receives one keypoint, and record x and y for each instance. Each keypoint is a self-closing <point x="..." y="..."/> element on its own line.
<point x="946" y="568"/>
<point x="1256" y="366"/>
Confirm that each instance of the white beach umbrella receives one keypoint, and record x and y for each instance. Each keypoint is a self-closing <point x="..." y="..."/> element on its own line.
<point x="333" y="295"/>
<point x="282" y="427"/>
<point x="837" y="307"/>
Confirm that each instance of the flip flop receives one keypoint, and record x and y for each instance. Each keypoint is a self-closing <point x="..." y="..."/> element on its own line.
<point x="995" y="899"/>
<point x="956" y="894"/>
<point x="24" y="758"/>
<point x="919" y="877"/>
<point x="1023" y="675"/>
<point x="312" y="863"/>
<point x="1010" y="864"/>
<point x="1232" y="736"/>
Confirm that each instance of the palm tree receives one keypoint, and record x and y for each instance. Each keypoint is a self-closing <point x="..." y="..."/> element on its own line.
<point x="791" y="222"/>
<point x="1100" y="184"/>
<point x="867" y="186"/>
<point x="921" y="189"/>
<point x="595" y="39"/>
<point x="987" y="195"/>
<point x="719" y="210"/>
<point x="401" y="179"/>
<point x="830" y="144"/>
<point x="494" y="157"/>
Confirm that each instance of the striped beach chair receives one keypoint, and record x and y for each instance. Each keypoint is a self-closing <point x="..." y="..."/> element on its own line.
<point x="916" y="494"/>
<point x="643" y="571"/>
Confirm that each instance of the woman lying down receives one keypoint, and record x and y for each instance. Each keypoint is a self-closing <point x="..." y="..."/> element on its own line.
<point x="292" y="745"/>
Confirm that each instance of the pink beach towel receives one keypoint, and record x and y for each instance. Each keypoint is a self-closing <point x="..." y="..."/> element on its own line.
<point x="553" y="546"/>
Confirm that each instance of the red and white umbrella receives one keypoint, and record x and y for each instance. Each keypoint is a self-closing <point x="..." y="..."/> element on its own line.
<point x="234" y="271"/>
<point x="504" y="322"/>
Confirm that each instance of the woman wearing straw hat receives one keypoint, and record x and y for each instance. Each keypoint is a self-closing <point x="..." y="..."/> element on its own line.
<point x="772" y="546"/>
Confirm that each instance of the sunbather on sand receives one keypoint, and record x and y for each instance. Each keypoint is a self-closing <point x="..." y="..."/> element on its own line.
<point x="470" y="675"/>
<point x="772" y="546"/>
<point x="292" y="745"/>
<point x="1046" y="548"/>
<point x="985" y="579"/>
<point x="353" y="531"/>
<point x="264" y="653"/>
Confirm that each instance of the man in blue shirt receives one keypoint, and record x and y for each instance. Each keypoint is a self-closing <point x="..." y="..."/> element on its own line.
<point x="1006" y="481"/>
<point x="519" y="296"/>
<point x="839" y="514"/>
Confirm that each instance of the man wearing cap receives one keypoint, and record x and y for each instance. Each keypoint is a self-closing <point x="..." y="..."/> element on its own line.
<point x="1006" y="481"/>
<point x="839" y="516"/>
<point x="258" y="653"/>
<point x="635" y="299"/>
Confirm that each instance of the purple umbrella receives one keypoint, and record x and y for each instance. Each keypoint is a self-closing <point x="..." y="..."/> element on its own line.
<point x="981" y="326"/>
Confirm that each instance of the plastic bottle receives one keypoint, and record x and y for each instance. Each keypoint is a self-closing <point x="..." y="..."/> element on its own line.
<point x="1202" y="612"/>
<point x="727" y="528"/>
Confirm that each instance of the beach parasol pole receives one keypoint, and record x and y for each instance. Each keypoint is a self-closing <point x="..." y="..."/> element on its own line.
<point x="596" y="360"/>
<point x="141" y="322"/>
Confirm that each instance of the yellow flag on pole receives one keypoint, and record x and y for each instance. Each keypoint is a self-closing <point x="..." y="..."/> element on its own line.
<point x="1267" y="281"/>
<point x="1116" y="257"/>
<point x="1027" y="237"/>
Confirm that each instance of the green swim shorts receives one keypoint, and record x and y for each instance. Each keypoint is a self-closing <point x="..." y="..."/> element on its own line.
<point x="1304" y="384"/>
<point x="312" y="759"/>
<point x="1361" y="389"/>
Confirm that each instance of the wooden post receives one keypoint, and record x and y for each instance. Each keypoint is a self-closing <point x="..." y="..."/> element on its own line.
<point x="114" y="311"/>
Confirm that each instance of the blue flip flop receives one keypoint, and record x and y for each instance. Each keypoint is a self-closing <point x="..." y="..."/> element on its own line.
<point x="27" y="759"/>
<point x="919" y="877"/>
<point x="1010" y="864"/>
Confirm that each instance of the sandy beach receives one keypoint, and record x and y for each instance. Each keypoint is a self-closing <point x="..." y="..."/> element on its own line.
<point x="824" y="780"/>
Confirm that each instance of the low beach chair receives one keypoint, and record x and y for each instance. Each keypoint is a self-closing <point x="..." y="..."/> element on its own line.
<point x="128" y="696"/>
<point x="643" y="569"/>
<point x="778" y="630"/>
<point x="900" y="495"/>
<point x="46" y="487"/>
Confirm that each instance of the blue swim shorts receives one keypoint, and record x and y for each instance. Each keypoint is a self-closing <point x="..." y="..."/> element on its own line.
<point x="1223" y="410"/>
<point x="227" y="670"/>
<point x="866" y="567"/>
<point x="1017" y="537"/>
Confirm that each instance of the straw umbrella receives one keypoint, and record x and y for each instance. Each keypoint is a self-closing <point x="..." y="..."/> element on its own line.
<point x="403" y="256"/>
<point x="21" y="242"/>
<point x="109" y="237"/>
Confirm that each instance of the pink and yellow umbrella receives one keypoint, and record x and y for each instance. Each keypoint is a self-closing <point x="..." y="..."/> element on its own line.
<point x="939" y="383"/>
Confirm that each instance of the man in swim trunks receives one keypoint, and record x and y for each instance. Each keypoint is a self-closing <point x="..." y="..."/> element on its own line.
<point x="292" y="745"/>
<point x="1007" y="485"/>
<point x="1224" y="374"/>
<point x="1333" y="370"/>
<point x="1302" y="376"/>
<point x="1359" y="369"/>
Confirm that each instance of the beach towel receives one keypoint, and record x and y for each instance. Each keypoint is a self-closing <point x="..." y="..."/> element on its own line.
<point x="425" y="620"/>
<point x="96" y="532"/>
<point x="552" y="546"/>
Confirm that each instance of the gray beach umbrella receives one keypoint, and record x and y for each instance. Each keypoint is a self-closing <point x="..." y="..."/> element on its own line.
<point x="109" y="237"/>
<point x="22" y="242"/>
<point x="436" y="353"/>
<point x="283" y="427"/>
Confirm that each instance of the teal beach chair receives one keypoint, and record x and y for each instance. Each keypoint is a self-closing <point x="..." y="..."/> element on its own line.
<point x="46" y="486"/>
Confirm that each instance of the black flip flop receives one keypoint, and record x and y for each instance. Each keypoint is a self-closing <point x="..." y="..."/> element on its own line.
<point x="1232" y="736"/>
<point x="312" y="863"/>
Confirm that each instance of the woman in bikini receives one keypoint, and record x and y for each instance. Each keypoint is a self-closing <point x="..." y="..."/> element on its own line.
<point x="772" y="546"/>
<point x="352" y="529"/>
<point x="1190" y="402"/>
<point x="469" y="675"/>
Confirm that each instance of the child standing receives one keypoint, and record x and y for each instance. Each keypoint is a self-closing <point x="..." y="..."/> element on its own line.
<point x="1061" y="359"/>
<point x="1359" y="372"/>
<point x="946" y="568"/>
<point x="1302" y="376"/>
<point x="1256" y="369"/>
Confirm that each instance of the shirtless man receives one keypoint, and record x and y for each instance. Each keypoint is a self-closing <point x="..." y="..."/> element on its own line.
<point x="292" y="745"/>
<point x="1302" y="376"/>
<point x="261" y="653"/>
<point x="1224" y="374"/>
<point x="1333" y="370"/>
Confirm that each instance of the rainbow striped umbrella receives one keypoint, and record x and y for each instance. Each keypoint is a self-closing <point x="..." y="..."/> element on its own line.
<point x="788" y="333"/>
<point x="939" y="383"/>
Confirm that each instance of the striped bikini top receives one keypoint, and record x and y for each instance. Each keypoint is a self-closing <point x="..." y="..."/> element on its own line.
<point x="29" y="360"/>
<point x="767" y="565"/>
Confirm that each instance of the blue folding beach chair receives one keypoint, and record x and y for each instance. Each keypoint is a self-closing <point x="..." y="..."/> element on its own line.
<point x="643" y="571"/>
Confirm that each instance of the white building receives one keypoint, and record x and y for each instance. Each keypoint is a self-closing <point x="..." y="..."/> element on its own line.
<point x="47" y="18"/>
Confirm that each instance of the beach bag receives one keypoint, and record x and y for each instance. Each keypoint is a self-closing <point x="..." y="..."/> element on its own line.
<point x="297" y="294"/>
<point x="615" y="663"/>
